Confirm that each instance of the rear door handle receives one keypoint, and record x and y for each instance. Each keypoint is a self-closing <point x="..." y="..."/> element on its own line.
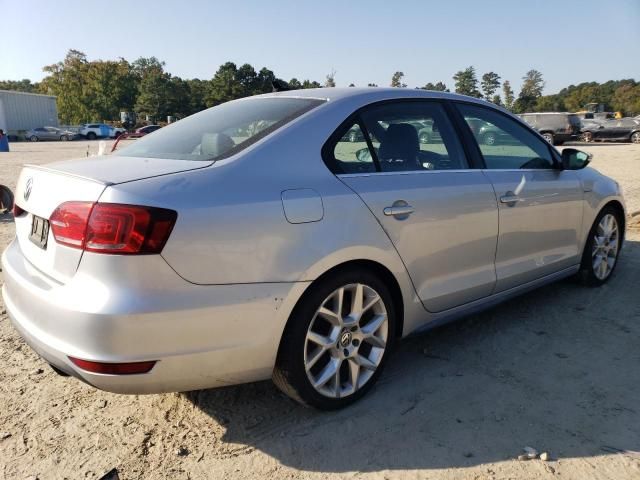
<point x="399" y="211"/>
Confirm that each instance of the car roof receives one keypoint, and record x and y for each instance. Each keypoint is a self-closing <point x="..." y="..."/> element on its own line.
<point x="372" y="94"/>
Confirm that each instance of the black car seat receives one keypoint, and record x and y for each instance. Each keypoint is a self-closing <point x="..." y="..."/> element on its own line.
<point x="399" y="149"/>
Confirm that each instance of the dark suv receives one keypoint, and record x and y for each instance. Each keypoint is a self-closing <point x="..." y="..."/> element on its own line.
<point x="556" y="128"/>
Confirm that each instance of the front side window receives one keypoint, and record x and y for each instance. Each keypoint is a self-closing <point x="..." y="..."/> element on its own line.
<point x="220" y="131"/>
<point x="413" y="136"/>
<point x="505" y="143"/>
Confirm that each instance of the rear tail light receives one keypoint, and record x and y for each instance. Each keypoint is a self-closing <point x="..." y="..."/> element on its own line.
<point x="17" y="211"/>
<point x="130" y="368"/>
<point x="112" y="228"/>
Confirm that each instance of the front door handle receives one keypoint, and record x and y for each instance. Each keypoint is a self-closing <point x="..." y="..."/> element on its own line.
<point x="398" y="211"/>
<point x="511" y="199"/>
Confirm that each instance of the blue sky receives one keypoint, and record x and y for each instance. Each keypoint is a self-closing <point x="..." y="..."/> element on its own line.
<point x="363" y="41"/>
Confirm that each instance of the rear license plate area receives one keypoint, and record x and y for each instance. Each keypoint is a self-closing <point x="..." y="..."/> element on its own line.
<point x="39" y="231"/>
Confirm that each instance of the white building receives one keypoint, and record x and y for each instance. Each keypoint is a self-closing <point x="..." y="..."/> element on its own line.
<point x="21" y="111"/>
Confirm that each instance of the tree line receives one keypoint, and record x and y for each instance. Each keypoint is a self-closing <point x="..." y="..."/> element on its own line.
<point x="99" y="90"/>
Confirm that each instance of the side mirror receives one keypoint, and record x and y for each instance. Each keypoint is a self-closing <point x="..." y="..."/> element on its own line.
<point x="363" y="155"/>
<point x="573" y="159"/>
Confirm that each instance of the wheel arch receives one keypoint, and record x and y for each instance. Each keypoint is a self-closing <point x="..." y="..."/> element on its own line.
<point x="373" y="266"/>
<point x="615" y="204"/>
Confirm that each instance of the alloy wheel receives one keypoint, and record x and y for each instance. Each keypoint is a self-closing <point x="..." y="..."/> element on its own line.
<point x="606" y="244"/>
<point x="635" y="138"/>
<point x="346" y="340"/>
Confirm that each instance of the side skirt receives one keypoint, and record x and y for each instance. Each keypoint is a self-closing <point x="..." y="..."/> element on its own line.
<point x="456" y="313"/>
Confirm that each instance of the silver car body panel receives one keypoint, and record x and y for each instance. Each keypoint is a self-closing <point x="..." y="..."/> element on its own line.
<point x="250" y="240"/>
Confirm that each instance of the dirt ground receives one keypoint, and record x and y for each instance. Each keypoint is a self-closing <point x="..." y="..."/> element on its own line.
<point x="557" y="369"/>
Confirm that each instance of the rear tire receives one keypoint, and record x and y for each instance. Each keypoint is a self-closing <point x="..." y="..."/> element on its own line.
<point x="602" y="249"/>
<point x="587" y="137"/>
<point x="635" y="137"/>
<point x="91" y="136"/>
<point x="352" y="348"/>
<point x="64" y="138"/>
<point x="33" y="138"/>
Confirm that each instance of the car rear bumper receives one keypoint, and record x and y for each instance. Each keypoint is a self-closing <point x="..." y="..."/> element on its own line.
<point x="200" y="336"/>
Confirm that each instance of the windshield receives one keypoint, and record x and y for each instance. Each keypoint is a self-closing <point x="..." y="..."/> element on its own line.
<point x="220" y="131"/>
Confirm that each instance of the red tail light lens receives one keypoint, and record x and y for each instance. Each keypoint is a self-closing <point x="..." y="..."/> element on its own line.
<point x="17" y="211"/>
<point x="112" y="228"/>
<point x="130" y="368"/>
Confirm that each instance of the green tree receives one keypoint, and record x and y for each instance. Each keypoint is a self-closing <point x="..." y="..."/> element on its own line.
<point x="531" y="91"/>
<point x="311" y="84"/>
<point x="223" y="86"/>
<point x="24" y="85"/>
<point x="549" y="103"/>
<point x="490" y="84"/>
<point x="111" y="87"/>
<point x="197" y="92"/>
<point x="154" y="88"/>
<point x="396" y="80"/>
<point x="295" y="84"/>
<point x="497" y="100"/>
<point x="67" y="80"/>
<point x="438" y="87"/>
<point x="507" y="94"/>
<point x="467" y="83"/>
<point x="626" y="98"/>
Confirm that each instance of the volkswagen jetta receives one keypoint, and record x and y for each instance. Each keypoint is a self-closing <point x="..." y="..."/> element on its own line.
<point x="257" y="239"/>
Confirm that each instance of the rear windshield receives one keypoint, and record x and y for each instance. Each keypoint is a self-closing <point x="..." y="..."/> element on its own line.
<point x="220" y="131"/>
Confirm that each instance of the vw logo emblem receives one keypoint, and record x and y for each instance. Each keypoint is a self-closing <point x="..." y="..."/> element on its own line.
<point x="345" y="339"/>
<point x="27" y="188"/>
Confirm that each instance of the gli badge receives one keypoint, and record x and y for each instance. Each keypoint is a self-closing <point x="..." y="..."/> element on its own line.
<point x="27" y="189"/>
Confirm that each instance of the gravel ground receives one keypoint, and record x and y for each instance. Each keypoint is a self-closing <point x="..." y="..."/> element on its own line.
<point x="557" y="369"/>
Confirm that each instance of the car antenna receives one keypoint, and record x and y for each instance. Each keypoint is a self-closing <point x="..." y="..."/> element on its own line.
<point x="279" y="85"/>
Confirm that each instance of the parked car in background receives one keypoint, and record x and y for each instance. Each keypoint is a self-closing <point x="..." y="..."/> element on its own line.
<point x="91" y="131"/>
<point x="142" y="131"/>
<point x="50" y="133"/>
<point x="196" y="258"/>
<point x="623" y="129"/>
<point x="555" y="127"/>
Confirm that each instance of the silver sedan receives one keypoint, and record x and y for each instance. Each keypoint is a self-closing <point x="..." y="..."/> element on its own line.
<point x="256" y="240"/>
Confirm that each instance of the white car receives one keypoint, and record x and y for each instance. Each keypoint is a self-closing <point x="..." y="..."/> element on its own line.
<point x="100" y="130"/>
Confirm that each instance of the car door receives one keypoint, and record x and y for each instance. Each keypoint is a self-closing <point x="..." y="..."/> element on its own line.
<point x="540" y="206"/>
<point x="51" y="133"/>
<point x="440" y="215"/>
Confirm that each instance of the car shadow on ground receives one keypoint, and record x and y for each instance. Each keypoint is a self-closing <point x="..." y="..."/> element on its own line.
<point x="551" y="369"/>
<point x="6" y="218"/>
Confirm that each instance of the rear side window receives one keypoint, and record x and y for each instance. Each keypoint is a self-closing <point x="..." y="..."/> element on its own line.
<point x="220" y="131"/>
<point x="404" y="136"/>
<point x="505" y="143"/>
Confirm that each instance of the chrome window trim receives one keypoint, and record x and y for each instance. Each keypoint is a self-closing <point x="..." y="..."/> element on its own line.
<point x="465" y="170"/>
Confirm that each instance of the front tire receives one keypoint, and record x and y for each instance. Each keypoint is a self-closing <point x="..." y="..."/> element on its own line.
<point x="548" y="137"/>
<point x="489" y="139"/>
<point x="33" y="138"/>
<point x="91" y="136"/>
<point x="337" y="340"/>
<point x="602" y="249"/>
